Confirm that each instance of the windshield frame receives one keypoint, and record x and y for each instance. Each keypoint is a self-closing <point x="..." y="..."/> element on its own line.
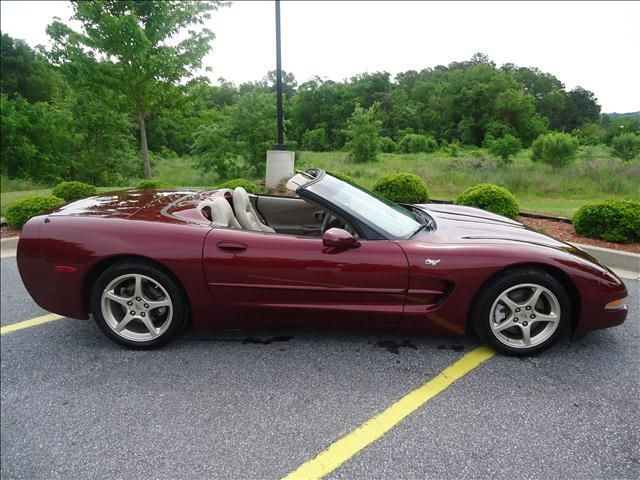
<point x="365" y="227"/>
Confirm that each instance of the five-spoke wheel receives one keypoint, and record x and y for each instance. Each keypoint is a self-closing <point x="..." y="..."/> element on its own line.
<point x="138" y="305"/>
<point x="522" y="311"/>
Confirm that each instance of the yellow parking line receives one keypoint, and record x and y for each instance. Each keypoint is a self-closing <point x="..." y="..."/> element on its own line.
<point x="367" y="433"/>
<point x="50" y="317"/>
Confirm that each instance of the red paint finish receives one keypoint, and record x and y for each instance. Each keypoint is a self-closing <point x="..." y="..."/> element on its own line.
<point x="235" y="278"/>
<point x="275" y="278"/>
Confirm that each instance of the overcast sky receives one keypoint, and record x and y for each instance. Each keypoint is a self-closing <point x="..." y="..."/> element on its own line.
<point x="592" y="44"/>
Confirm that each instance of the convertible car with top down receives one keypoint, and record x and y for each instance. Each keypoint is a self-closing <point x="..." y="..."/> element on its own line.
<point x="144" y="263"/>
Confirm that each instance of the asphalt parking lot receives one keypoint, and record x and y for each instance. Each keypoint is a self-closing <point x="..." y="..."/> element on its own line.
<point x="259" y="404"/>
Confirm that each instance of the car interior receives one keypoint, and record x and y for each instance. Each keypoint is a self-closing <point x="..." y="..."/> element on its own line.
<point x="271" y="214"/>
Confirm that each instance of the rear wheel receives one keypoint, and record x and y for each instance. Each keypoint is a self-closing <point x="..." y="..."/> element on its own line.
<point x="138" y="305"/>
<point x="522" y="312"/>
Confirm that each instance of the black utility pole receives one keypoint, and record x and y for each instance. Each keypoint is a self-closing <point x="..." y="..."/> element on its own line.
<point x="280" y="145"/>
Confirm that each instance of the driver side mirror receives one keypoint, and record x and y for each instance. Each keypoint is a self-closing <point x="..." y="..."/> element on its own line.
<point x="339" y="238"/>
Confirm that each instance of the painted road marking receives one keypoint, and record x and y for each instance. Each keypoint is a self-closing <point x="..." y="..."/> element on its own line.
<point x="367" y="433"/>
<point x="50" y="317"/>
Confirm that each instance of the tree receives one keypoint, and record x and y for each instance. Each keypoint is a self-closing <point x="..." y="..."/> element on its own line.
<point x="140" y="40"/>
<point x="581" y="107"/>
<point x="556" y="149"/>
<point x="626" y="145"/>
<point x="26" y="73"/>
<point x="363" y="131"/>
<point x="504" y="147"/>
<point x="243" y="131"/>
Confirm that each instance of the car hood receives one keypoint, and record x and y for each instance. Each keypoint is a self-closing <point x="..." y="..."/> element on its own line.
<point x="459" y="224"/>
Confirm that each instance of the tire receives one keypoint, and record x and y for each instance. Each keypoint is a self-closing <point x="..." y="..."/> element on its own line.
<point x="522" y="312"/>
<point x="138" y="305"/>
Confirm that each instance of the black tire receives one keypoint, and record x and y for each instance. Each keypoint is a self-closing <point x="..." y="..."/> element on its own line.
<point x="154" y="282"/>
<point x="519" y="282"/>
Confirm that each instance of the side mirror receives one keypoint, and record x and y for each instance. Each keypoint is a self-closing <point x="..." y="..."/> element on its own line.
<point x="339" y="238"/>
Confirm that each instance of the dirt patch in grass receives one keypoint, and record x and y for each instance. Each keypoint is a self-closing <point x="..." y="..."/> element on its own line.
<point x="564" y="231"/>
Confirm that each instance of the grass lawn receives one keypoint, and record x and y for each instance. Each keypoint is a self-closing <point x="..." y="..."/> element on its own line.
<point x="593" y="176"/>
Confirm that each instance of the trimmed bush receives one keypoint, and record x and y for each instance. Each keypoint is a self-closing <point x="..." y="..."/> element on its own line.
<point x="342" y="176"/>
<point x="241" y="182"/>
<point x="153" y="184"/>
<point x="626" y="145"/>
<point x="402" y="188"/>
<point x="22" y="210"/>
<point x="556" y="149"/>
<point x="414" y="143"/>
<point x="72" y="191"/>
<point x="491" y="198"/>
<point x="611" y="220"/>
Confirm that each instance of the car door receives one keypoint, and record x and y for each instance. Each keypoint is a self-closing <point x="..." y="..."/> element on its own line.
<point x="273" y="278"/>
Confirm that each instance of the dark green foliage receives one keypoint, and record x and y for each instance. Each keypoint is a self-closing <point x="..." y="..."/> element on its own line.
<point x="22" y="210"/>
<point x="504" y="148"/>
<point x="492" y="198"/>
<point x="72" y="191"/>
<point x="402" y="188"/>
<point x="248" y="185"/>
<point x="556" y="149"/>
<point x="238" y="141"/>
<point x="363" y="131"/>
<point x="146" y="61"/>
<point x="611" y="220"/>
<point x="626" y="145"/>
<point x="342" y="176"/>
<point x="387" y="145"/>
<point x="316" y="140"/>
<point x="153" y="184"/>
<point x="414" y="143"/>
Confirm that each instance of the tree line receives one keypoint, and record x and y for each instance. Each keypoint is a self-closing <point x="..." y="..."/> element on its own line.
<point x="103" y="102"/>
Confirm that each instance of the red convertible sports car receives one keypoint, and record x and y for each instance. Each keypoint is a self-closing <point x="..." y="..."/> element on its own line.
<point x="143" y="263"/>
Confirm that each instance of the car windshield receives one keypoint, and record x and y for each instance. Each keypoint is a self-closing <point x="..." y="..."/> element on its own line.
<point x="388" y="218"/>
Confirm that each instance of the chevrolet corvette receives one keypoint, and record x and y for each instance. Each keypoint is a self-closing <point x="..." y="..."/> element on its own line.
<point x="144" y="263"/>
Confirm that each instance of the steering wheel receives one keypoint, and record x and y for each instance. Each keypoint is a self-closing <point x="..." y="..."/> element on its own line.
<point x="331" y="221"/>
<point x="327" y="222"/>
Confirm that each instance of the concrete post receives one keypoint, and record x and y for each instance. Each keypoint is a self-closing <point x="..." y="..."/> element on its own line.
<point x="279" y="166"/>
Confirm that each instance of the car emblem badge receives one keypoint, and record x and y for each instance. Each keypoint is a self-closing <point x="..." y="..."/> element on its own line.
<point x="432" y="261"/>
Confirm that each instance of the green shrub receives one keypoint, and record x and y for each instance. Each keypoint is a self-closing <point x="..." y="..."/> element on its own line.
<point x="154" y="184"/>
<point x="387" y="145"/>
<point x="626" y="145"/>
<point x="415" y="143"/>
<point x="362" y="133"/>
<point x="342" y="176"/>
<point x="504" y="148"/>
<point x="611" y="220"/>
<point x="556" y="149"/>
<point x="315" y="140"/>
<point x="240" y="182"/>
<point x="402" y="188"/>
<point x="491" y="198"/>
<point x="22" y="210"/>
<point x="72" y="191"/>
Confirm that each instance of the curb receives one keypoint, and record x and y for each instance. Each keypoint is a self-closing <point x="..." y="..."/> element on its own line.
<point x="627" y="262"/>
<point x="8" y="247"/>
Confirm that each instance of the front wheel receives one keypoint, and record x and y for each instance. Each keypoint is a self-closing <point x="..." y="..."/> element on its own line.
<point x="138" y="305"/>
<point x="522" y="312"/>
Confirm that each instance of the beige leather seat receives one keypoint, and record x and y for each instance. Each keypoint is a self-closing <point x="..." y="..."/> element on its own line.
<point x="222" y="213"/>
<point x="246" y="214"/>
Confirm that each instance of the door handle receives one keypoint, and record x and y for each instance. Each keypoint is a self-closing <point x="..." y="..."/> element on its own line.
<point x="231" y="247"/>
